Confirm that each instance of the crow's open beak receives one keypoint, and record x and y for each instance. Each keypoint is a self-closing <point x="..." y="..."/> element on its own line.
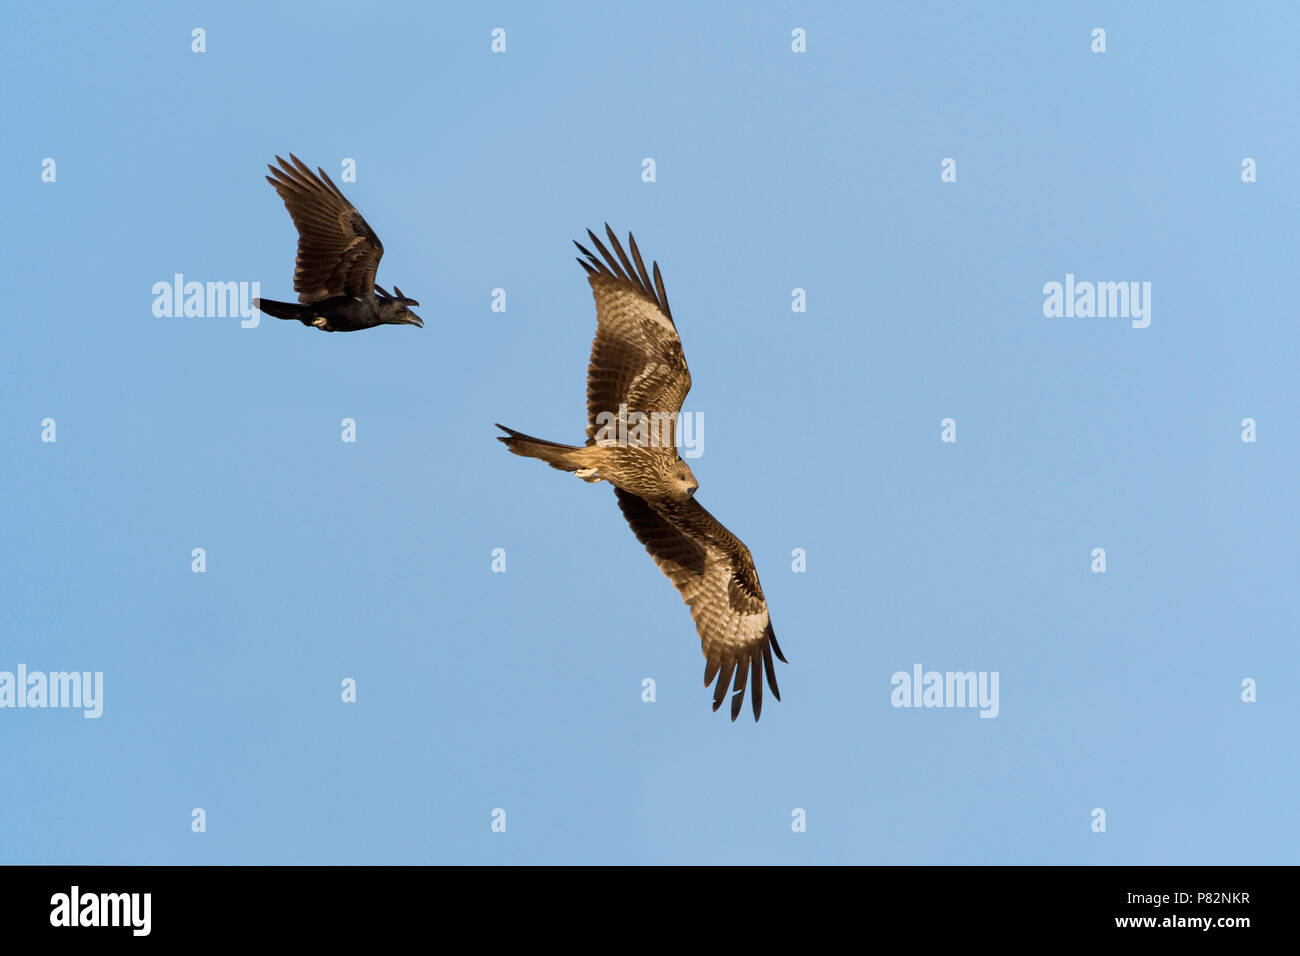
<point x="415" y="320"/>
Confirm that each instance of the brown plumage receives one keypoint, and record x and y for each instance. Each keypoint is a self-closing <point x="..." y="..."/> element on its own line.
<point x="636" y="382"/>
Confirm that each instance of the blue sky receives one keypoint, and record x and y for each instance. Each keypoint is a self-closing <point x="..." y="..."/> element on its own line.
<point x="774" y="171"/>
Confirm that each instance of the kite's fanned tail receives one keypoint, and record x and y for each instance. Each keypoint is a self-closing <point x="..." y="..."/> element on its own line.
<point x="563" y="457"/>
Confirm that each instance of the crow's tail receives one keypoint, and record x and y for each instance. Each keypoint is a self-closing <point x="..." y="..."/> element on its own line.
<point x="279" y="310"/>
<point x="563" y="457"/>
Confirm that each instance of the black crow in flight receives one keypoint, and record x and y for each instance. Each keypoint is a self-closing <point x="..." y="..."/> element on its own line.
<point x="338" y="254"/>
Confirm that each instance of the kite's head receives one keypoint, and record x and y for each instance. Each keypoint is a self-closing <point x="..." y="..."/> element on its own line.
<point x="396" y="309"/>
<point x="684" y="479"/>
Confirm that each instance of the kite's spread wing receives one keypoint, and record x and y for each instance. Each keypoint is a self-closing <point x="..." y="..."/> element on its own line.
<point x="715" y="574"/>
<point x="636" y="357"/>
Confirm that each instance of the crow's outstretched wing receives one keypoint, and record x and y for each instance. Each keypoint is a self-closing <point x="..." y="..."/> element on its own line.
<point x="338" y="252"/>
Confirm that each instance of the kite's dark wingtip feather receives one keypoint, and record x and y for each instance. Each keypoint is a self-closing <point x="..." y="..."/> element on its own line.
<point x="661" y="292"/>
<point x="610" y="264"/>
<point x="738" y="689"/>
<point x="640" y="264"/>
<point x="771" y="636"/>
<point x="628" y="268"/>
<point x="724" y="681"/>
<point x="710" y="671"/>
<point x="771" y="672"/>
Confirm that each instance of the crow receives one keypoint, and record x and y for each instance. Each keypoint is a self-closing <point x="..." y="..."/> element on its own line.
<point x="338" y="255"/>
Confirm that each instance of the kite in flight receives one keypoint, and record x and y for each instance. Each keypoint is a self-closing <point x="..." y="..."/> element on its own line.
<point x="338" y="255"/>
<point x="638" y="376"/>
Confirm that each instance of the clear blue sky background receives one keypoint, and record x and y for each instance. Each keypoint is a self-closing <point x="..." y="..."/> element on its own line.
<point x="522" y="690"/>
